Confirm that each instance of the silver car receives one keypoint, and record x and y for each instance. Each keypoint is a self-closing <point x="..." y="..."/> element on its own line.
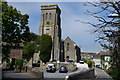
<point x="51" y="68"/>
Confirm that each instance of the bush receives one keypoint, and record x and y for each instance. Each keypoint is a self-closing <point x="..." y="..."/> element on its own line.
<point x="18" y="63"/>
<point x="9" y="64"/>
<point x="89" y="62"/>
<point x="113" y="72"/>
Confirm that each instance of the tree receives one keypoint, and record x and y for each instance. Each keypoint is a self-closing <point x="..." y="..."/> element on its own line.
<point x="30" y="47"/>
<point x="32" y="36"/>
<point x="108" y="30"/>
<point x="14" y="25"/>
<point x="18" y="64"/>
<point x="29" y="50"/>
<point x="14" y="28"/>
<point x="44" y="43"/>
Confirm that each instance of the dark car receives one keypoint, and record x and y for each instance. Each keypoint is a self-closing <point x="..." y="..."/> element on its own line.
<point x="97" y="66"/>
<point x="63" y="69"/>
<point x="69" y="60"/>
<point x="51" y="68"/>
<point x="81" y="61"/>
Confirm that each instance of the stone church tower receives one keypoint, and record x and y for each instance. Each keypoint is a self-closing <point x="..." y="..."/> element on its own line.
<point x="50" y="24"/>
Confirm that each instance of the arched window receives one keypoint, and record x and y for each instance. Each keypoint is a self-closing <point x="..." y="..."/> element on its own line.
<point x="68" y="45"/>
<point x="50" y="16"/>
<point x="46" y="17"/>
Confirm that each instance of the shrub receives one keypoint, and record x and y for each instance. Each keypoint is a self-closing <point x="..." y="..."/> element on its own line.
<point x="89" y="62"/>
<point x="18" y="63"/>
<point x="113" y="72"/>
<point x="9" y="64"/>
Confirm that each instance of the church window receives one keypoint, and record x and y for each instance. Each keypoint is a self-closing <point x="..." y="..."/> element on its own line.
<point x="48" y="22"/>
<point x="50" y="16"/>
<point x="68" y="45"/>
<point x="47" y="29"/>
<point x="43" y="16"/>
<point x="46" y="16"/>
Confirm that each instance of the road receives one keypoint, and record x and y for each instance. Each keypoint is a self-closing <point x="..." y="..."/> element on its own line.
<point x="101" y="74"/>
<point x="60" y="76"/>
<point x="47" y="75"/>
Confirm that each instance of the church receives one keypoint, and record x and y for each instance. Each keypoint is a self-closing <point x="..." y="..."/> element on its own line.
<point x="50" y="23"/>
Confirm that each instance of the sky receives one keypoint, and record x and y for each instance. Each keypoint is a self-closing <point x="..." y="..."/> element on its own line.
<point x="72" y="13"/>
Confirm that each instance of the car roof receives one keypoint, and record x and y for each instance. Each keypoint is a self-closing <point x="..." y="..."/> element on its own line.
<point x="81" y="61"/>
<point x="63" y="66"/>
<point x="50" y="64"/>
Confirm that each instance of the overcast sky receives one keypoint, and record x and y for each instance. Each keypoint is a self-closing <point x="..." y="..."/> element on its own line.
<point x="71" y="15"/>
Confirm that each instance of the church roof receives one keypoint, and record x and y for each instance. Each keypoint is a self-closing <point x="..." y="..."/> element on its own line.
<point x="72" y="41"/>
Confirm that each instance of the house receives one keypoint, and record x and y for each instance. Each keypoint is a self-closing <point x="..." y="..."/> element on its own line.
<point x="87" y="55"/>
<point x="106" y="60"/>
<point x="71" y="50"/>
<point x="103" y="59"/>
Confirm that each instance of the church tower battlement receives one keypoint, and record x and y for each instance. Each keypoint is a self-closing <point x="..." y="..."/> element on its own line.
<point x="50" y="24"/>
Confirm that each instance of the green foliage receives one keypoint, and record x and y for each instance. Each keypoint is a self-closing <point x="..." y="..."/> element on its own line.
<point x="9" y="64"/>
<point x="89" y="62"/>
<point x="5" y="51"/>
<point x="32" y="36"/>
<point x="18" y="63"/>
<point x="28" y="50"/>
<point x="14" y="25"/>
<point x="44" y="46"/>
<point x="113" y="72"/>
<point x="14" y="28"/>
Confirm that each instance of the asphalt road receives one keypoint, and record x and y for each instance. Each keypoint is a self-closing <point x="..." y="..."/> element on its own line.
<point x="59" y="76"/>
<point x="47" y="75"/>
<point x="101" y="74"/>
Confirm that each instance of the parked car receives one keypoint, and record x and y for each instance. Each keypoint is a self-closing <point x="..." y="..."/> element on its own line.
<point x="81" y="61"/>
<point x="69" y="60"/>
<point x="63" y="69"/>
<point x="97" y="66"/>
<point x="51" y="68"/>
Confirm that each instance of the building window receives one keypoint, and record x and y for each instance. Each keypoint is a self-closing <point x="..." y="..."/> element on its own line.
<point x="48" y="22"/>
<point x="107" y="59"/>
<point x="50" y="16"/>
<point x="46" y="17"/>
<point x="47" y="29"/>
<point x="68" y="45"/>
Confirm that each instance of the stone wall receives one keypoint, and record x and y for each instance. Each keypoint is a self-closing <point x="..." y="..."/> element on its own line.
<point x="89" y="74"/>
<point x="36" y="73"/>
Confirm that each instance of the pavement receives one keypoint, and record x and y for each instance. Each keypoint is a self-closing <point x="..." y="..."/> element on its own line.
<point x="10" y="75"/>
<point x="101" y="74"/>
